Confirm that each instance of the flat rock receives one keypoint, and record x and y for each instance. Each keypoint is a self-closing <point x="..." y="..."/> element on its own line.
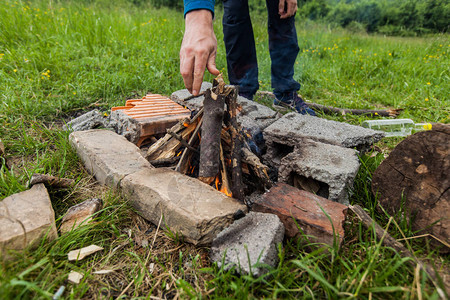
<point x="415" y="180"/>
<point x="80" y="214"/>
<point x="183" y="97"/>
<point x="260" y="115"/>
<point x="333" y="168"/>
<point x="319" y="218"/>
<point x="25" y="219"/>
<point x="107" y="155"/>
<point x="188" y="206"/>
<point x="249" y="244"/>
<point x="292" y="128"/>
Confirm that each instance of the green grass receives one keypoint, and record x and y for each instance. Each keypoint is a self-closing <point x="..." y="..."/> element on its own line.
<point x="58" y="58"/>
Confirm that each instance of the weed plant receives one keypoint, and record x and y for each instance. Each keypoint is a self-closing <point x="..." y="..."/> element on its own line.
<point x="61" y="58"/>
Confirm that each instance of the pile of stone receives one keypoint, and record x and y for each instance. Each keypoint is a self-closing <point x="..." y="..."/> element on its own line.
<point x="316" y="161"/>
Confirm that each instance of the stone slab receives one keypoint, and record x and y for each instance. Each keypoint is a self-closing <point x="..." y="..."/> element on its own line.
<point x="188" y="206"/>
<point x="334" y="167"/>
<point x="304" y="210"/>
<point x="195" y="103"/>
<point x="25" y="219"/>
<point x="249" y="242"/>
<point x="107" y="155"/>
<point x="261" y="115"/>
<point x="80" y="214"/>
<point x="292" y="128"/>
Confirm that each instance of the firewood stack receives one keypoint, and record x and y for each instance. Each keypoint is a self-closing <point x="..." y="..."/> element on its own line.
<point x="212" y="147"/>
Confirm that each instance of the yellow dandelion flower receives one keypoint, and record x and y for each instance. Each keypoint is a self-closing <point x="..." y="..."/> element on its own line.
<point x="15" y="70"/>
<point x="390" y="54"/>
<point x="376" y="114"/>
<point x="74" y="93"/>
<point x="428" y="83"/>
<point x="426" y="99"/>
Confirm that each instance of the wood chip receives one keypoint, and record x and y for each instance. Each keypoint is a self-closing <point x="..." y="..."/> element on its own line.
<point x="79" y="254"/>
<point x="75" y="277"/>
<point x="103" y="272"/>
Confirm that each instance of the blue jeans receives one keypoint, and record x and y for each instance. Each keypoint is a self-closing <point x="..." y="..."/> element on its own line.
<point x="241" y="52"/>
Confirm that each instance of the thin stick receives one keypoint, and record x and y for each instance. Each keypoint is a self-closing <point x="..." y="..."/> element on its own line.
<point x="389" y="241"/>
<point x="224" y="173"/>
<point x="191" y="142"/>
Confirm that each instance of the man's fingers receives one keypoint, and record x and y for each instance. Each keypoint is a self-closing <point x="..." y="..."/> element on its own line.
<point x="199" y="70"/>
<point x="289" y="8"/>
<point x="186" y="70"/>
<point x="211" y="65"/>
<point x="281" y="5"/>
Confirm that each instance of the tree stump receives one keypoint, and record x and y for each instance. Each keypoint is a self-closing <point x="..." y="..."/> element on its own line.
<point x="416" y="178"/>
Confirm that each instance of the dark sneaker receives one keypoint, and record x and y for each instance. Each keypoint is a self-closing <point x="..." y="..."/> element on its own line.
<point x="296" y="104"/>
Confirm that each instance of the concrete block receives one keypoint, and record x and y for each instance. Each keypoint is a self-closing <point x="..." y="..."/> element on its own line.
<point x="107" y="155"/>
<point x="195" y="103"/>
<point x="89" y="120"/>
<point x="25" y="219"/>
<point x="247" y="242"/>
<point x="317" y="217"/>
<point x="333" y="168"/>
<point x="261" y="115"/>
<point x="188" y="206"/>
<point x="292" y="128"/>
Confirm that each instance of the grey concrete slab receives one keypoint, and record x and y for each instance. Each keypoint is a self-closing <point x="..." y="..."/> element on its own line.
<point x="249" y="244"/>
<point x="107" y="155"/>
<point x="334" y="166"/>
<point x="186" y="205"/>
<point x="195" y="103"/>
<point x="292" y="128"/>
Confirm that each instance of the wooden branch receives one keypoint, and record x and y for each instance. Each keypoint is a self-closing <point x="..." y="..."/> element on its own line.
<point x="237" y="187"/>
<point x="165" y="162"/>
<point x="182" y="141"/>
<point x="51" y="181"/>
<point x="211" y="128"/>
<point x="389" y="241"/>
<point x="343" y="111"/>
<point x="155" y="149"/>
<point x="258" y="167"/>
<point x="182" y="164"/>
<point x="224" y="173"/>
<point x="167" y="146"/>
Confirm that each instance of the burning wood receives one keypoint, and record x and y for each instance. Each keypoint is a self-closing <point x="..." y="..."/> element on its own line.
<point x="212" y="146"/>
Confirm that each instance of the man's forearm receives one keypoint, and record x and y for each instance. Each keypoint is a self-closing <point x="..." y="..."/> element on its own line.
<point x="190" y="5"/>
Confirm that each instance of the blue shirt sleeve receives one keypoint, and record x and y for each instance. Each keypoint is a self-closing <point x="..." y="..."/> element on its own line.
<point x="198" y="4"/>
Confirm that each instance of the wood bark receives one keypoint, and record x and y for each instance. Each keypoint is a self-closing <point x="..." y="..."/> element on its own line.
<point x="51" y="181"/>
<point x="237" y="187"/>
<point x="210" y="142"/>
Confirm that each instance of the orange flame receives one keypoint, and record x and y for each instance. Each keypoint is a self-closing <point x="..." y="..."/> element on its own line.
<point x="221" y="188"/>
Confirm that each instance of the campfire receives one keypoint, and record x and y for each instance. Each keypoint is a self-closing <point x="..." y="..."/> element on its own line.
<point x="212" y="147"/>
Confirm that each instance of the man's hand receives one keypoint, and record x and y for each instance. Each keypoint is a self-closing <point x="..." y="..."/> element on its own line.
<point x="287" y="8"/>
<point x="198" y="49"/>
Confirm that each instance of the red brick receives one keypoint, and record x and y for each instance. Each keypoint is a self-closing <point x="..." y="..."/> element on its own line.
<point x="294" y="206"/>
<point x="154" y="113"/>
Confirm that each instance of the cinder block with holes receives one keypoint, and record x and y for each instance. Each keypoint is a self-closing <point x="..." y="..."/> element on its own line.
<point x="323" y="169"/>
